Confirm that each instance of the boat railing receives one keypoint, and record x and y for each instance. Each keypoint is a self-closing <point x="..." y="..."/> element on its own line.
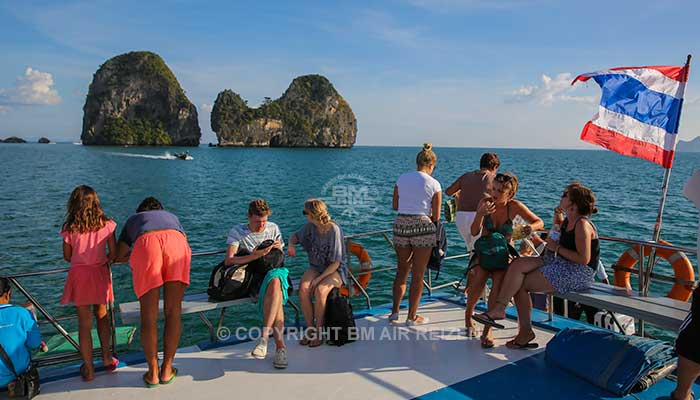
<point x="645" y="276"/>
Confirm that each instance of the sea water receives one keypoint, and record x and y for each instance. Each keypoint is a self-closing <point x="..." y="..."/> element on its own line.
<point x="211" y="193"/>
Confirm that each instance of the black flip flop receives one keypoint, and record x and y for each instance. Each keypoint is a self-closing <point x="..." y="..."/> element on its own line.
<point x="485" y="319"/>
<point x="517" y="346"/>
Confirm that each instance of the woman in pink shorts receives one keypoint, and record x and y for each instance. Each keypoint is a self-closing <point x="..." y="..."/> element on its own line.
<point x="160" y="256"/>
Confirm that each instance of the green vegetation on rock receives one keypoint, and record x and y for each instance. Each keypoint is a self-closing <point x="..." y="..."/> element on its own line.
<point x="311" y="113"/>
<point x="135" y="99"/>
<point x="136" y="131"/>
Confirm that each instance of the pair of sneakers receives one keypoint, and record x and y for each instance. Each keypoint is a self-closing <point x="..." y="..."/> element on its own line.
<point x="260" y="352"/>
<point x="394" y="318"/>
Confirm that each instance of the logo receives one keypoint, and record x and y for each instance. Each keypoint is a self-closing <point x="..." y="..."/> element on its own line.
<point x="351" y="198"/>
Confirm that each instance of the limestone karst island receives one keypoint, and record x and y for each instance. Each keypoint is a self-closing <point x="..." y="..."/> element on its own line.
<point x="135" y="99"/>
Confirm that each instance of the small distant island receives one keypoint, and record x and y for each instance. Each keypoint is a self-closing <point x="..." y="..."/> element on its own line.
<point x="134" y="99"/>
<point x="13" y="139"/>
<point x="310" y="113"/>
<point x="688" y="146"/>
<point x="44" y="140"/>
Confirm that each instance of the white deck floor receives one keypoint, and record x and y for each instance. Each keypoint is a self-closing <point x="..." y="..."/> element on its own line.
<point x="367" y="369"/>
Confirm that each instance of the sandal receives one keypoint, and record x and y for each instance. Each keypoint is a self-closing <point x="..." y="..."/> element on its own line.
<point x="306" y="338"/>
<point x="512" y="344"/>
<point x="418" y="320"/>
<point x="486" y="319"/>
<point x="172" y="378"/>
<point x="315" y="343"/>
<point x="147" y="383"/>
<point x="393" y="318"/>
<point x="113" y="366"/>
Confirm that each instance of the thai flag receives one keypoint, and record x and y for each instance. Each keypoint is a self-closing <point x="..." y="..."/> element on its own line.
<point x="639" y="111"/>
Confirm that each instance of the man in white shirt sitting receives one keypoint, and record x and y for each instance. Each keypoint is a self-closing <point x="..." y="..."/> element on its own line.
<point x="248" y="237"/>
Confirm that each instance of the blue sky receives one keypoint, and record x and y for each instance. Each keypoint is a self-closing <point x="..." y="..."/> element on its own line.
<point x="461" y="73"/>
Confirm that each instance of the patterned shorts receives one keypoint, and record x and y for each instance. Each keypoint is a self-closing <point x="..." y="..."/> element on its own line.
<point x="566" y="276"/>
<point x="414" y="231"/>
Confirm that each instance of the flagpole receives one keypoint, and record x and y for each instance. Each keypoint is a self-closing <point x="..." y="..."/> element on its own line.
<point x="664" y="190"/>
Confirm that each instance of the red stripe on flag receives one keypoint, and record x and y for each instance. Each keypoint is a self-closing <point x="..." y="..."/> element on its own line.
<point x="674" y="72"/>
<point x="622" y="144"/>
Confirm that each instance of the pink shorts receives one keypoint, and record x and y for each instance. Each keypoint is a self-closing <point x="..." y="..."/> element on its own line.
<point x="159" y="257"/>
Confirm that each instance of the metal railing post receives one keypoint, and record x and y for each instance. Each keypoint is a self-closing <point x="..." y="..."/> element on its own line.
<point x="641" y="282"/>
<point x="45" y="313"/>
<point x="112" y="318"/>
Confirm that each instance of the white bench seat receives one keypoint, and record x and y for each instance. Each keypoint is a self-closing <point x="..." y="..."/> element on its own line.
<point x="197" y="303"/>
<point x="660" y="311"/>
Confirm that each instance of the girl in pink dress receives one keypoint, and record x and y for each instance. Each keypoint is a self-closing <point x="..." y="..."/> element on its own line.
<point x="87" y="234"/>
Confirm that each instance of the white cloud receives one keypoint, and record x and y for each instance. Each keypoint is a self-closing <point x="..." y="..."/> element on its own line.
<point x="34" y="88"/>
<point x="206" y="107"/>
<point x="551" y="90"/>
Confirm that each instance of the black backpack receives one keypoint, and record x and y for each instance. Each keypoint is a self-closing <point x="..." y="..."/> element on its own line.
<point x="229" y="283"/>
<point x="339" y="319"/>
<point x="437" y="256"/>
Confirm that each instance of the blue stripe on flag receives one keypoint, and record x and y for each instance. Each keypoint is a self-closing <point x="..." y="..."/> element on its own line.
<point x="625" y="95"/>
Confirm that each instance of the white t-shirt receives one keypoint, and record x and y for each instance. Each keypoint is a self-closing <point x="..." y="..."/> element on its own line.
<point x="241" y="236"/>
<point x="416" y="190"/>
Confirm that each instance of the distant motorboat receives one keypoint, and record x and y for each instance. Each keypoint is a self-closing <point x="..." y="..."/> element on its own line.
<point x="183" y="156"/>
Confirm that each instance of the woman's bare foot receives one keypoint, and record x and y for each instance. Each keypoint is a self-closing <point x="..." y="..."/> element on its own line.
<point x="470" y="329"/>
<point x="487" y="340"/>
<point x="87" y="372"/>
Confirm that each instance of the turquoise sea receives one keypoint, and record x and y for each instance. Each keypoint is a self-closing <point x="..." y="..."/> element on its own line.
<point x="210" y="194"/>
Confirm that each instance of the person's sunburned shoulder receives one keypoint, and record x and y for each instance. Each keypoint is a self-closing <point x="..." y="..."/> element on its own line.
<point x="517" y="204"/>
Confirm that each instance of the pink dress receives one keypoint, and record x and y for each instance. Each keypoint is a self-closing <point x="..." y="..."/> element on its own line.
<point x="88" y="279"/>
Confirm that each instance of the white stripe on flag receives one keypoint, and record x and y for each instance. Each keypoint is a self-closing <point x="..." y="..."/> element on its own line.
<point x="651" y="78"/>
<point x="634" y="129"/>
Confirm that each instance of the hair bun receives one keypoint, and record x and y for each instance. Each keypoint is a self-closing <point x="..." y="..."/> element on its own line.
<point x="427" y="146"/>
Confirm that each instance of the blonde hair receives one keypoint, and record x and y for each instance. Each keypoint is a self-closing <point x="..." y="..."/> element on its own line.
<point x="318" y="210"/>
<point x="426" y="156"/>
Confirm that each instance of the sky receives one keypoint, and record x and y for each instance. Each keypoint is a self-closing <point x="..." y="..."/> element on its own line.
<point x="457" y="73"/>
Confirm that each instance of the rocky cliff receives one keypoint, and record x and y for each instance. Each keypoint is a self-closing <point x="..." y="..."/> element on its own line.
<point x="310" y="113"/>
<point x="135" y="99"/>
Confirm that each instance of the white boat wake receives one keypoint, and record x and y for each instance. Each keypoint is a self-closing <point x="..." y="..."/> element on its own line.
<point x="166" y="156"/>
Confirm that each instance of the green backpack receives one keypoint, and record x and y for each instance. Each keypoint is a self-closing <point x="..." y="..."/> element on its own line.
<point x="493" y="251"/>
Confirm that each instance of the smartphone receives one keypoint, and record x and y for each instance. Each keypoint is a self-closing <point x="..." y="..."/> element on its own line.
<point x="265" y="244"/>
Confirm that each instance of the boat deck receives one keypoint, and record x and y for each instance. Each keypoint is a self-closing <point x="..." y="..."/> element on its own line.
<point x="431" y="361"/>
